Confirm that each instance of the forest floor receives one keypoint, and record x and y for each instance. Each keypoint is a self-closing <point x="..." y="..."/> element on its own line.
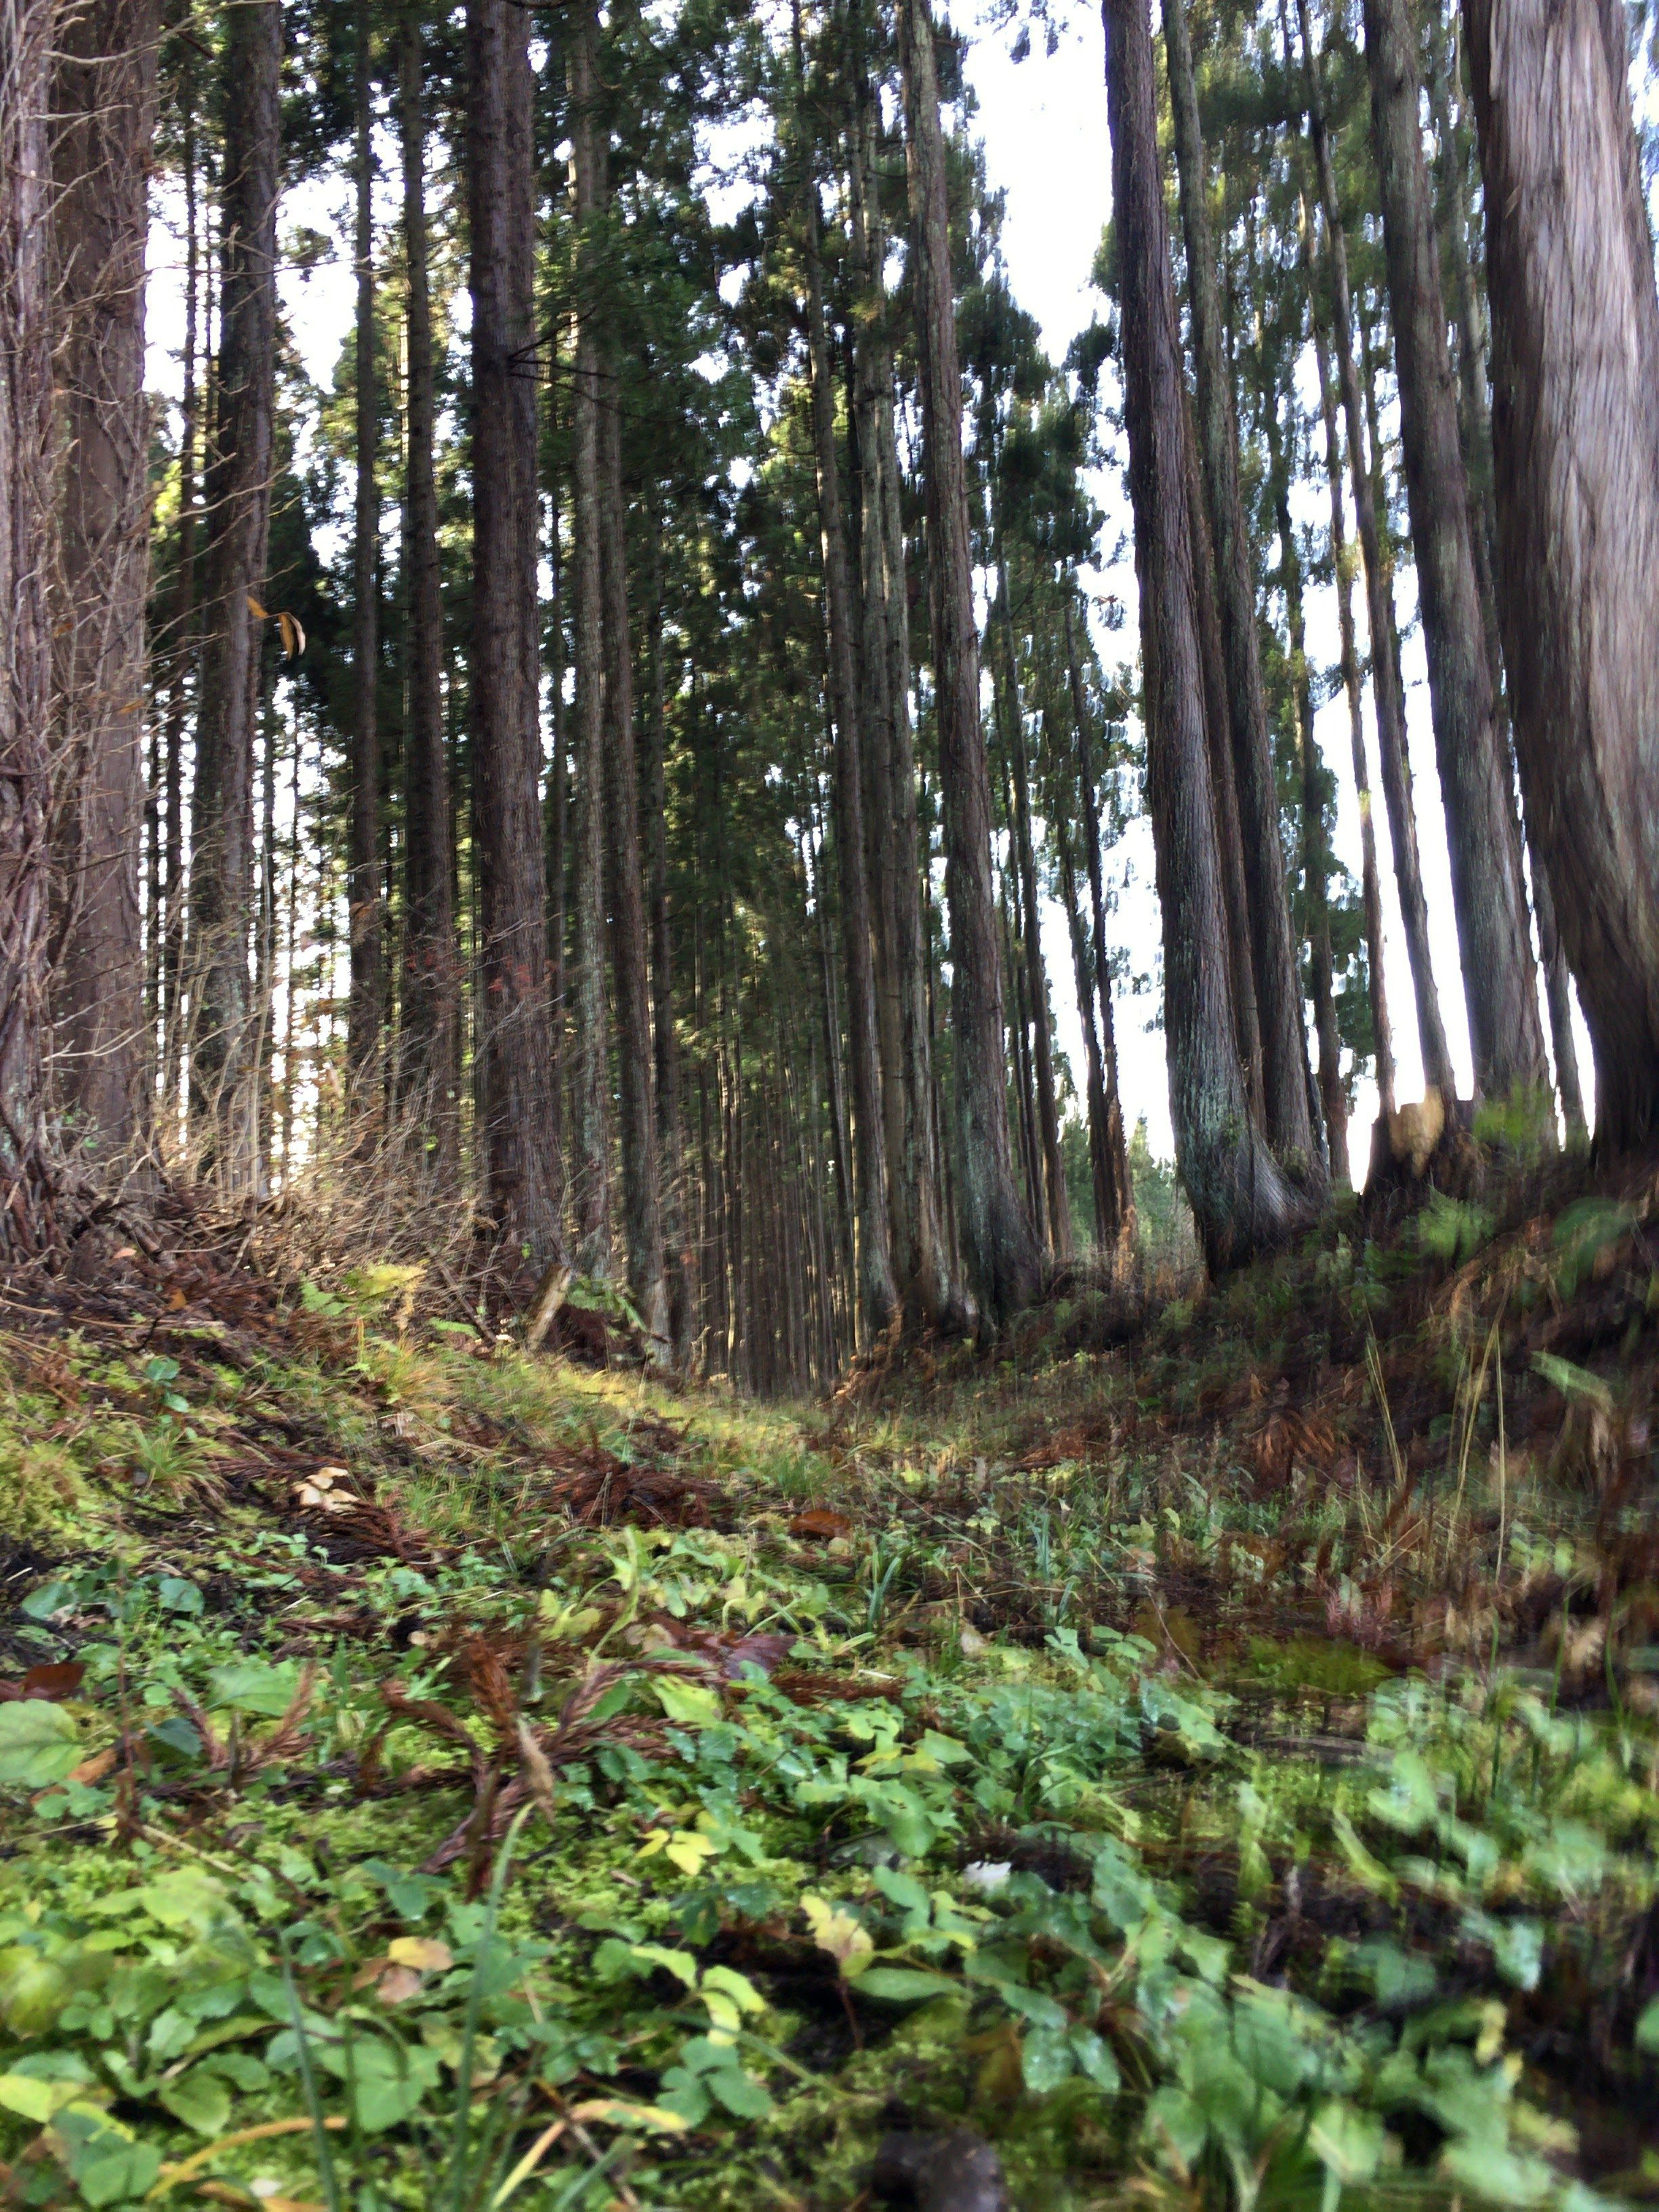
<point x="1216" y="1767"/>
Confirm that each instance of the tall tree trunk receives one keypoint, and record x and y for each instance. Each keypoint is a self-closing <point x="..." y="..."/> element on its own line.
<point x="521" y="1165"/>
<point x="878" y="1295"/>
<point x="1315" y="844"/>
<point x="104" y="102"/>
<point x="1385" y="670"/>
<point x="637" y="1084"/>
<point x="1241" y="967"/>
<point x="677" y="1242"/>
<point x="364" y="897"/>
<point x="1278" y="992"/>
<point x="432" y="977"/>
<point x="921" y="1258"/>
<point x="184" y="657"/>
<point x="1121" y="1220"/>
<point x="1001" y="1253"/>
<point x="590" y="1131"/>
<point x="1489" y="895"/>
<point x="1056" y="1204"/>
<point x="1240" y="1199"/>
<point x="223" y="1022"/>
<point x="1576" y="446"/>
<point x="1370" y="878"/>
<point x="25" y="634"/>
<point x="1475" y="426"/>
<point x="1100" y="1168"/>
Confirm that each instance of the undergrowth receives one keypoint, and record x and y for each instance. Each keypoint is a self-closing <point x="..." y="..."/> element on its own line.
<point x="1221" y="1770"/>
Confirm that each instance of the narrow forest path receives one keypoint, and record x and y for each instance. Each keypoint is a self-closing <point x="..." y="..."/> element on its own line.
<point x="1154" y="1760"/>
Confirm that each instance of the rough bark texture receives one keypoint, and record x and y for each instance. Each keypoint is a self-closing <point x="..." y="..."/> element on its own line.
<point x="1475" y="427"/>
<point x="1489" y="898"/>
<point x="185" y="640"/>
<point x="1278" y="993"/>
<point x="1000" y="1252"/>
<point x="920" y="1261"/>
<point x="363" y="899"/>
<point x="432" y="971"/>
<point x="1576" y="446"/>
<point x="103" y="100"/>
<point x="225" y="1024"/>
<point x="25" y="634"/>
<point x="878" y="1296"/>
<point x="1385" y="666"/>
<point x="636" y="1087"/>
<point x="1240" y="1198"/>
<point x="590" y="1133"/>
<point x="1118" y="1222"/>
<point x="1235" y="901"/>
<point x="521" y="1169"/>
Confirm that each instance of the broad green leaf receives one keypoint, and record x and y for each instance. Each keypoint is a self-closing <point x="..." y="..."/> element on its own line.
<point x="687" y="1704"/>
<point x="252" y="1686"/>
<point x="37" y="2100"/>
<point x="740" y="2093"/>
<point x="40" y="1744"/>
<point x="1046" y="2059"/>
<point x="1493" y="2172"/>
<point x="846" y="1940"/>
<point x="388" y="2081"/>
<point x="1647" y="2030"/>
<point x="1349" y="2142"/>
<point x="34" y="1989"/>
<point x="905" y="1984"/>
<point x="200" y="2099"/>
<point x="1095" y="2059"/>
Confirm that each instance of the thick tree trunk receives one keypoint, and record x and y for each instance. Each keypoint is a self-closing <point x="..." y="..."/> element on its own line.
<point x="1576" y="446"/>
<point x="636" y="1086"/>
<point x="1385" y="669"/>
<point x="1475" y="426"/>
<point x="1120" y="1220"/>
<point x="521" y="1166"/>
<point x="1241" y="967"/>
<point x="1100" y="1168"/>
<point x="363" y="894"/>
<point x="104" y="113"/>
<point x="590" y="1131"/>
<point x="432" y="976"/>
<point x="25" y="634"/>
<point x="681" y="1258"/>
<point x="1001" y="1253"/>
<point x="1489" y="897"/>
<point x="1278" y="993"/>
<point x="1240" y="1200"/>
<point x="878" y="1295"/>
<point x="1315" y="844"/>
<point x="224" y="1023"/>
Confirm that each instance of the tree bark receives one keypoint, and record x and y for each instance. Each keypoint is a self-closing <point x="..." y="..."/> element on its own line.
<point x="1278" y="992"/>
<point x="521" y="1166"/>
<point x="225" y="1024"/>
<point x="920" y="1260"/>
<point x="590" y="1132"/>
<point x="103" y="100"/>
<point x="185" y="642"/>
<point x="25" y="634"/>
<point x="1120" y="1222"/>
<point x="1057" y="1204"/>
<point x="1489" y="895"/>
<point x="1475" y="426"/>
<point x="681" y="1258"/>
<point x="878" y="1294"/>
<point x="363" y="891"/>
<point x="1576" y="446"/>
<point x="1240" y="1198"/>
<point x="432" y="977"/>
<point x="1385" y="669"/>
<point x="636" y="1087"/>
<point x="1001" y="1255"/>
<point x="1315" y="844"/>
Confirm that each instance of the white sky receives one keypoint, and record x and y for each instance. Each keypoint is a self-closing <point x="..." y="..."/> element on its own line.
<point x="1043" y="126"/>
